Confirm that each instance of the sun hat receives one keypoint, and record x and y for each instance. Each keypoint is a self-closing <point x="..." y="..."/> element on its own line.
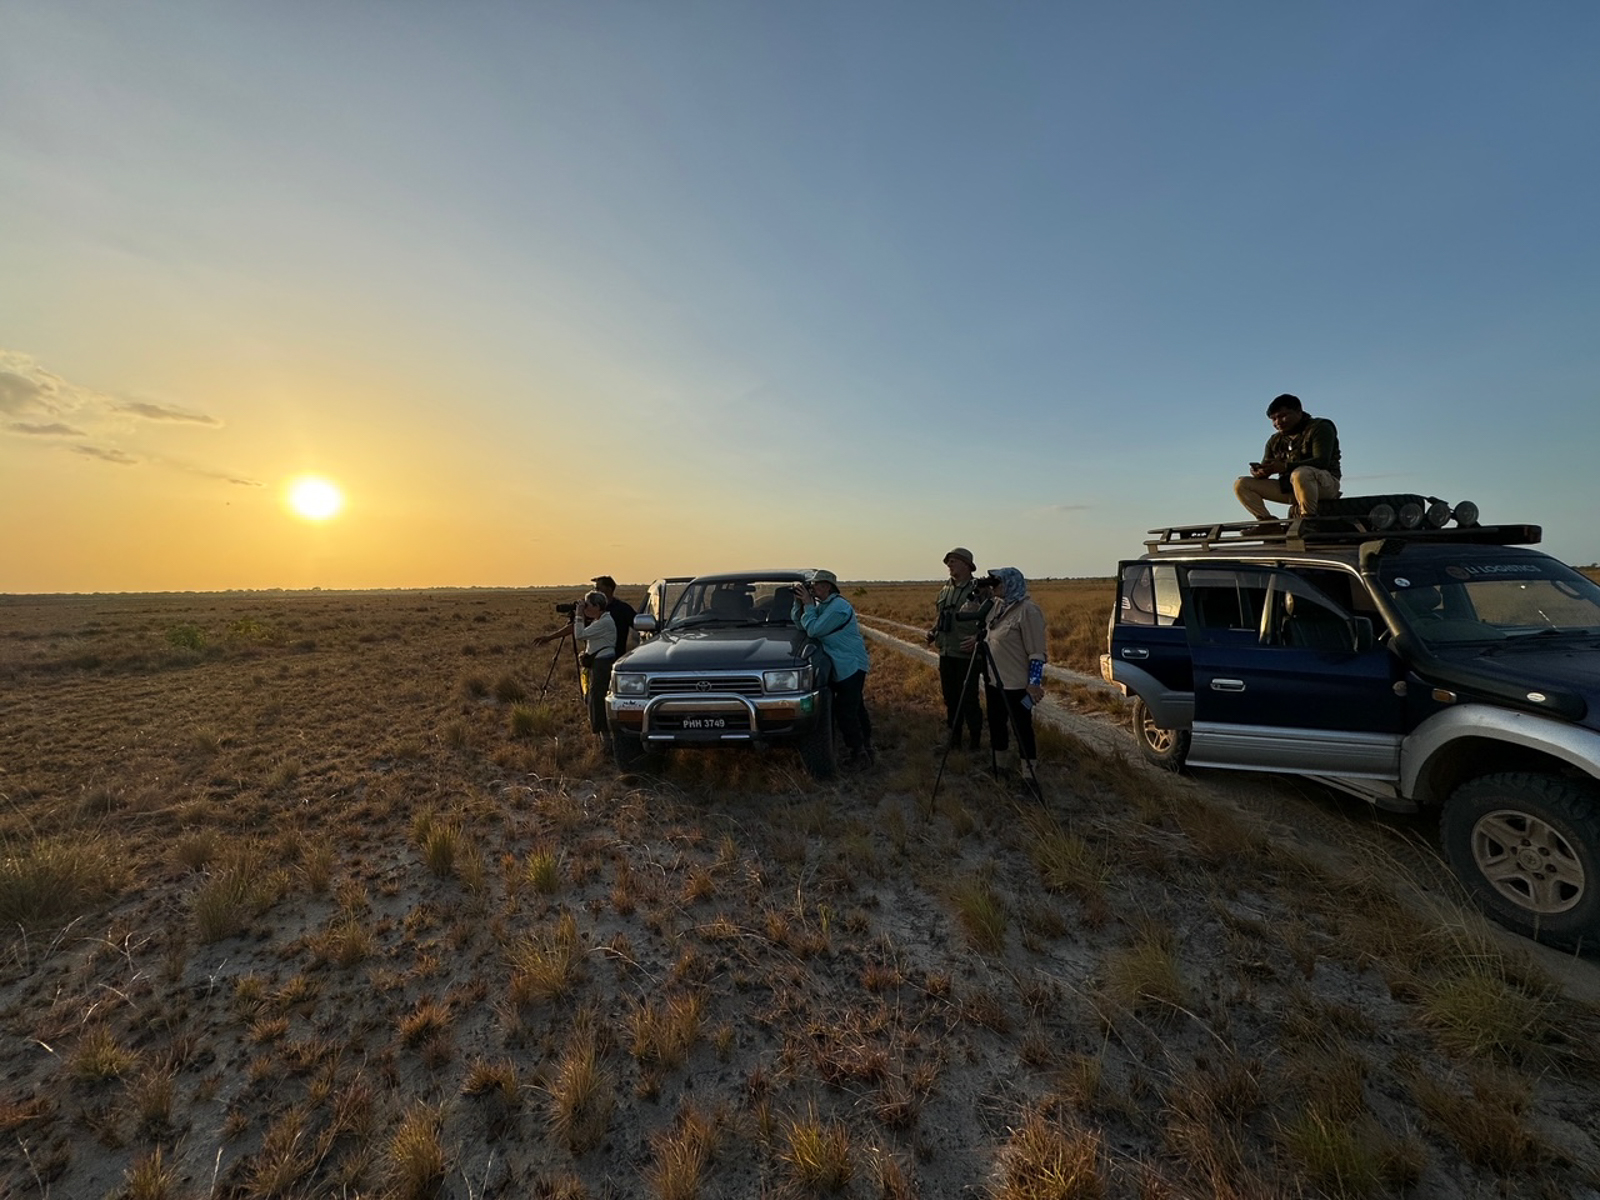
<point x="964" y="555"/>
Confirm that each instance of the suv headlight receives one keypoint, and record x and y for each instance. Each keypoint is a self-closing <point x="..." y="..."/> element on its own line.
<point x="796" y="679"/>
<point x="628" y="685"/>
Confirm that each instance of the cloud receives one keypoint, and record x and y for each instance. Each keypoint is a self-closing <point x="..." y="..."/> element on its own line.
<point x="108" y="454"/>
<point x="55" y="429"/>
<point x="209" y="473"/>
<point x="162" y="412"/>
<point x="21" y="395"/>
<point x="28" y="390"/>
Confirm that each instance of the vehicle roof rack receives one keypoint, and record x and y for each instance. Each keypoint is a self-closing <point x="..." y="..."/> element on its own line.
<point x="1314" y="533"/>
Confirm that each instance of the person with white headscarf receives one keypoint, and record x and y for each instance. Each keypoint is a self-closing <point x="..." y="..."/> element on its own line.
<point x="1014" y="675"/>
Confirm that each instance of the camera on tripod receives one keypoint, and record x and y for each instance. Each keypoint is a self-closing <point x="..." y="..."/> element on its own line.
<point x="567" y="610"/>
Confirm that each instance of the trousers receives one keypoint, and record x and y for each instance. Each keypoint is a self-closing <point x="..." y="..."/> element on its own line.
<point x="1310" y="486"/>
<point x="958" y="680"/>
<point x="1006" y="710"/>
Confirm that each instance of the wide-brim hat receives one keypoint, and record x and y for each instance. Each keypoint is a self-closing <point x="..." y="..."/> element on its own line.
<point x="813" y="576"/>
<point x="964" y="555"/>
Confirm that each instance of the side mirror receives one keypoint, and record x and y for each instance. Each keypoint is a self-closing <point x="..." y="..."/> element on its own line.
<point x="644" y="623"/>
<point x="1361" y="633"/>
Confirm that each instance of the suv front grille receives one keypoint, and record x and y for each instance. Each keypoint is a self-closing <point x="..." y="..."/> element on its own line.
<point x="742" y="685"/>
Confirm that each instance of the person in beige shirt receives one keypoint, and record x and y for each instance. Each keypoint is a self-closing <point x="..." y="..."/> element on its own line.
<point x="1014" y="675"/>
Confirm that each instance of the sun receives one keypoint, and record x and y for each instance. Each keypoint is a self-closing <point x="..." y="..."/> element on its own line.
<point x="314" y="498"/>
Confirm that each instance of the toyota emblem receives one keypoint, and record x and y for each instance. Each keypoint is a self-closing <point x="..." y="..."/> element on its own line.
<point x="703" y="686"/>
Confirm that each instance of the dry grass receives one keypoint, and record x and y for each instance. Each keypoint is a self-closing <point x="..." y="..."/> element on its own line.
<point x="1043" y="1161"/>
<point x="57" y="879"/>
<point x="322" y="900"/>
<point x="582" y="1094"/>
<point x="817" y="1154"/>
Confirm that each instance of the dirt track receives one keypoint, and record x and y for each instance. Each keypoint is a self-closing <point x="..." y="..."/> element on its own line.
<point x="1338" y="829"/>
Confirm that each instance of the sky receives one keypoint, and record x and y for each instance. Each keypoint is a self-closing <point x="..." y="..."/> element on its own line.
<point x="651" y="288"/>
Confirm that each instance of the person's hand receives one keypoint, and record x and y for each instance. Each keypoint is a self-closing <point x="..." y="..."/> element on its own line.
<point x="1275" y="467"/>
<point x="969" y="644"/>
<point x="931" y="635"/>
<point x="1036" y="691"/>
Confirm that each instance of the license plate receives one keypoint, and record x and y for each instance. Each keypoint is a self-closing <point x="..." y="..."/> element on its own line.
<point x="705" y="722"/>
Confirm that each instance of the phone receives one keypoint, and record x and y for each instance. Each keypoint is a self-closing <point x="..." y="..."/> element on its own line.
<point x="1255" y="466"/>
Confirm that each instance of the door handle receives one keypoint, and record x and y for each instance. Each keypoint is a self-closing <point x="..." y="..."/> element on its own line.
<point x="1134" y="652"/>
<point x="1227" y="685"/>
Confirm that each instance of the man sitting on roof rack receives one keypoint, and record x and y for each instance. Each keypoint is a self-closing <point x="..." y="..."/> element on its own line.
<point x="1299" y="467"/>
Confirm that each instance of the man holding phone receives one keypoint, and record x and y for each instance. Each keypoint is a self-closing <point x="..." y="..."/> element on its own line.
<point x="1299" y="467"/>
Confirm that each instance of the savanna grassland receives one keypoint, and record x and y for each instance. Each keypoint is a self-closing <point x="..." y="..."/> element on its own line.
<point x="320" y="895"/>
<point x="1075" y="614"/>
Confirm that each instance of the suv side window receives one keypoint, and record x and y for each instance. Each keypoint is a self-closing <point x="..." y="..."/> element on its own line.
<point x="1304" y="617"/>
<point x="1150" y="595"/>
<point x="1226" y="604"/>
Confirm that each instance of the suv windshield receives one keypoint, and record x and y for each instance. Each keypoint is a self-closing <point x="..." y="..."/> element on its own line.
<point x="754" y="601"/>
<point x="1482" y="600"/>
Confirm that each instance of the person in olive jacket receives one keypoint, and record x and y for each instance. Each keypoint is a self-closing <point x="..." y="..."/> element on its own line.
<point x="1299" y="467"/>
<point x="959" y="610"/>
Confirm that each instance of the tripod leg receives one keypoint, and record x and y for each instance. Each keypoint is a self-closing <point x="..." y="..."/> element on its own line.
<point x="550" y="674"/>
<point x="956" y="725"/>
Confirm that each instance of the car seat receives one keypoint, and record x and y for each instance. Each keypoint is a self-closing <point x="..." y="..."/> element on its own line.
<point x="1421" y="603"/>
<point x="735" y="606"/>
<point x="1312" y="627"/>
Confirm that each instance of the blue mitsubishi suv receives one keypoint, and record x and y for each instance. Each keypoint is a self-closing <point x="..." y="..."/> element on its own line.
<point x="1453" y="669"/>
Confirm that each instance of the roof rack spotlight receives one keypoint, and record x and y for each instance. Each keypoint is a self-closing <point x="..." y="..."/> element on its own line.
<point x="1381" y="517"/>
<point x="1437" y="514"/>
<point x="1410" y="516"/>
<point x="1466" y="514"/>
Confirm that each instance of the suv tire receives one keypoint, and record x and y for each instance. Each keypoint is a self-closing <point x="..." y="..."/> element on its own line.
<point x="629" y="753"/>
<point x="1166" y="748"/>
<point x="816" y="747"/>
<point x="1528" y="849"/>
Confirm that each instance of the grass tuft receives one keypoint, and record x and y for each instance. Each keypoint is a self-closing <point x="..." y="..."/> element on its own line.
<point x="1477" y="1012"/>
<point x="99" y="1056"/>
<point x="982" y="913"/>
<point x="57" y="879"/>
<point x="544" y="965"/>
<point x="1042" y="1161"/>
<point x="241" y="888"/>
<point x="416" y="1156"/>
<point x="582" y="1095"/>
<point x="681" y="1155"/>
<point x="817" y="1154"/>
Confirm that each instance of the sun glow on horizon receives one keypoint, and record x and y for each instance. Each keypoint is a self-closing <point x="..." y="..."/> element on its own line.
<point x="313" y="497"/>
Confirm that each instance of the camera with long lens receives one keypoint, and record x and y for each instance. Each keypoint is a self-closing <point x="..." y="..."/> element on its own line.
<point x="804" y="587"/>
<point x="988" y="581"/>
<point x="567" y="610"/>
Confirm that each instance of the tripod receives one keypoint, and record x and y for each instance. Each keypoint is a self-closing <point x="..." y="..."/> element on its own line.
<point x="980" y="656"/>
<point x="556" y="658"/>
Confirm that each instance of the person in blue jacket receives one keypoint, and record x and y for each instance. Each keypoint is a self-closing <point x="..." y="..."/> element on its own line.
<point x="825" y="615"/>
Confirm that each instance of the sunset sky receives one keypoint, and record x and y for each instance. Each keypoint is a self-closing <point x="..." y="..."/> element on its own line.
<point x="554" y="289"/>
